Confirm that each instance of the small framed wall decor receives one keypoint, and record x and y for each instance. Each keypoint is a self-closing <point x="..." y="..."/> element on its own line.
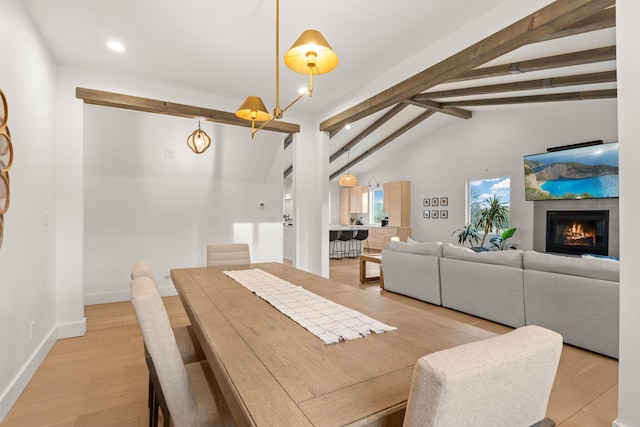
<point x="425" y="214"/>
<point x="434" y="214"/>
<point x="426" y="201"/>
<point x="4" y="110"/>
<point x="4" y="192"/>
<point x="6" y="160"/>
<point x="435" y="201"/>
<point x="444" y="201"/>
<point x="444" y="214"/>
<point x="6" y="150"/>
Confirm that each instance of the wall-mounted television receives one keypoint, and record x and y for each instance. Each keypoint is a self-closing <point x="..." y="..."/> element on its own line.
<point x="589" y="172"/>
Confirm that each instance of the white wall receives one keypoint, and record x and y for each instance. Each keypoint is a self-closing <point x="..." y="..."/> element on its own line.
<point x="70" y="183"/>
<point x="491" y="144"/>
<point x="27" y="287"/>
<point x="141" y="203"/>
<point x="628" y="39"/>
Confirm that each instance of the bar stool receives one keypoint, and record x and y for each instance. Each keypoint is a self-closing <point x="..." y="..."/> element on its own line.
<point x="360" y="236"/>
<point x="334" y="253"/>
<point x="345" y="237"/>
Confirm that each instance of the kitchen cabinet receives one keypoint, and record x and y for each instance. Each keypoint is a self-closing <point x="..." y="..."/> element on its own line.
<point x="353" y="200"/>
<point x="359" y="199"/>
<point x="345" y="198"/>
<point x="397" y="203"/>
<point x="379" y="237"/>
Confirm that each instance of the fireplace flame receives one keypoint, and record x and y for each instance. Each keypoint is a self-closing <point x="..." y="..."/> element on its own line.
<point x="577" y="235"/>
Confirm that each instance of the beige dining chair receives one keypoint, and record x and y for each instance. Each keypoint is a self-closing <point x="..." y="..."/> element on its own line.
<point x="190" y="391"/>
<point x="190" y="349"/>
<point x="501" y="381"/>
<point x="187" y="342"/>
<point x="228" y="254"/>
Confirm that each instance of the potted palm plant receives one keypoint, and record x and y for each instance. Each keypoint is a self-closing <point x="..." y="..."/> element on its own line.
<point x="492" y="216"/>
<point x="467" y="234"/>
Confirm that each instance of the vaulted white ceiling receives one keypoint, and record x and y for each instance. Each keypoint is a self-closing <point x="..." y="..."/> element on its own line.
<point x="227" y="47"/>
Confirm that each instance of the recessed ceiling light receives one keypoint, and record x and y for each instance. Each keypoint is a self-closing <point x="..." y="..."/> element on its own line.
<point x="117" y="46"/>
<point x="347" y="127"/>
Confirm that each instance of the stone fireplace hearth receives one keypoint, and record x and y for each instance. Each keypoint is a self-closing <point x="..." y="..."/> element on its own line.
<point x="540" y="225"/>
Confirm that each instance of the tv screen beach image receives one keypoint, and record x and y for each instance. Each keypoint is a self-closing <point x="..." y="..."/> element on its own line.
<point x="578" y="173"/>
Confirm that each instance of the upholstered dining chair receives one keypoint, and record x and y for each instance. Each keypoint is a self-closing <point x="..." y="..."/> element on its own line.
<point x="141" y="269"/>
<point x="188" y="345"/>
<point x="228" y="254"/>
<point x="190" y="391"/>
<point x="501" y="381"/>
<point x="190" y="349"/>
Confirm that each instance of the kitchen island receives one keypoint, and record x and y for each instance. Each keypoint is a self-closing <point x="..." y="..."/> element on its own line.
<point x="379" y="236"/>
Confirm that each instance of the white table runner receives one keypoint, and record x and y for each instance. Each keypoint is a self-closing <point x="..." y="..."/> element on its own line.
<point x="325" y="319"/>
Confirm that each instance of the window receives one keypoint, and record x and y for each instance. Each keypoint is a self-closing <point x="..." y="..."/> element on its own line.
<point x="375" y="206"/>
<point x="480" y="190"/>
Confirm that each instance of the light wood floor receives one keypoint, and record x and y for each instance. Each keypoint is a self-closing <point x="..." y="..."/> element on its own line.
<point x="101" y="379"/>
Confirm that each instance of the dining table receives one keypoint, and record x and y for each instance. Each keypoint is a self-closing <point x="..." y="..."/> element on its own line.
<point x="274" y="372"/>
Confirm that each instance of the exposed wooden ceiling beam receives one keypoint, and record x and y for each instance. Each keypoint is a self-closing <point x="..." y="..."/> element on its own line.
<point x="570" y="96"/>
<point x="382" y="120"/>
<point x="368" y="131"/>
<point x="582" y="79"/>
<point x="436" y="106"/>
<point x="599" y="21"/>
<point x="418" y="119"/>
<point x="547" y="20"/>
<point x="128" y="102"/>
<point x="556" y="61"/>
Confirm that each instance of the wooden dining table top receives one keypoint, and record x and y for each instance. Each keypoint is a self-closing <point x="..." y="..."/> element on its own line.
<point x="273" y="372"/>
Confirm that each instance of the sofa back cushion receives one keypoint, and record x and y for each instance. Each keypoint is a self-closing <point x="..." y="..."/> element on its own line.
<point x="604" y="269"/>
<point x="511" y="258"/>
<point x="427" y="248"/>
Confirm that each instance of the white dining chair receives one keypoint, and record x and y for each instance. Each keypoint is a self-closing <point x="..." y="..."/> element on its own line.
<point x="228" y="254"/>
<point x="501" y="381"/>
<point x="186" y="340"/>
<point x="190" y="349"/>
<point x="190" y="391"/>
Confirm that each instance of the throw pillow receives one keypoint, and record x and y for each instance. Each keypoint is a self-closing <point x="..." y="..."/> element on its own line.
<point x="429" y="248"/>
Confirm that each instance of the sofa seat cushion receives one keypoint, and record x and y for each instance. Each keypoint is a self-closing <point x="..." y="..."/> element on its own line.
<point x="427" y="248"/>
<point x="604" y="269"/>
<point x="511" y="258"/>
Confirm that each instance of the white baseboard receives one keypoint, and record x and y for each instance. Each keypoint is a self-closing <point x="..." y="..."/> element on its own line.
<point x="119" y="296"/>
<point x="72" y="330"/>
<point x="168" y="291"/>
<point x="617" y="424"/>
<point x="22" y="378"/>
<point x="106" y="297"/>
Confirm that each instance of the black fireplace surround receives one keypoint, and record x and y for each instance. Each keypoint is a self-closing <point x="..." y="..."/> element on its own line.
<point x="578" y="232"/>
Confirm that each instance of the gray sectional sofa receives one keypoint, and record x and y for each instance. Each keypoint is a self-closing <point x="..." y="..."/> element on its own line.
<point x="484" y="284"/>
<point x="413" y="270"/>
<point x="576" y="297"/>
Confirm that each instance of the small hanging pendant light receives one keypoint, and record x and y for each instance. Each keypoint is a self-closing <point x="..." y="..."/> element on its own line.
<point x="198" y="141"/>
<point x="347" y="180"/>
